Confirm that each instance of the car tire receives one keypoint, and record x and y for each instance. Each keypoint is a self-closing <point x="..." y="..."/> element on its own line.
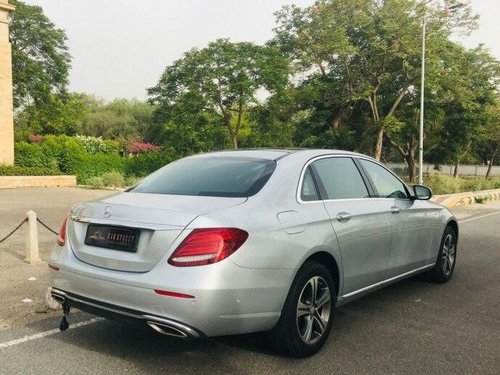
<point x="307" y="315"/>
<point x="447" y="258"/>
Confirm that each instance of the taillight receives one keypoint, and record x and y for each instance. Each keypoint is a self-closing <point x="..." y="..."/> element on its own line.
<point x="207" y="246"/>
<point x="61" y="237"/>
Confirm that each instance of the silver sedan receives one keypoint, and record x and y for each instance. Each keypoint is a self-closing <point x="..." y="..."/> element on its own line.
<point x="254" y="240"/>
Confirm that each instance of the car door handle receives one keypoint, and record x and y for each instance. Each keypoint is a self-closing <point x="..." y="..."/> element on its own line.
<point x="343" y="216"/>
<point x="395" y="210"/>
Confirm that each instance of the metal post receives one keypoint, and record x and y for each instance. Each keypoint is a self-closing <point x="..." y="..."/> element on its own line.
<point x="32" y="254"/>
<point x="422" y="92"/>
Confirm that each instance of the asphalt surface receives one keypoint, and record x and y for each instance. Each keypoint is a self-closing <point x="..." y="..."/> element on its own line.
<point x="51" y="205"/>
<point x="412" y="327"/>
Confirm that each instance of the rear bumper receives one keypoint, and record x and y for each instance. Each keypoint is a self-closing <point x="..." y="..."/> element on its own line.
<point x="228" y="299"/>
<point x="163" y="325"/>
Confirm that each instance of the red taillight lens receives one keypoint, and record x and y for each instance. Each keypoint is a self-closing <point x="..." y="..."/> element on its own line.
<point x="61" y="237"/>
<point x="207" y="246"/>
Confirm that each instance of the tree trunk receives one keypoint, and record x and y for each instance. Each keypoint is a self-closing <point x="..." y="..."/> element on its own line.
<point x="234" y="141"/>
<point x="490" y="164"/>
<point x="232" y="133"/>
<point x="379" y="144"/>
<point x="412" y="166"/>
<point x="455" y="171"/>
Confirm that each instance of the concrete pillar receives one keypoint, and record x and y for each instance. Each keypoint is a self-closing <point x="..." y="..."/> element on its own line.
<point x="32" y="252"/>
<point x="6" y="105"/>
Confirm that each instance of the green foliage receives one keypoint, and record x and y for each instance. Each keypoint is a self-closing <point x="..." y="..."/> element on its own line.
<point x="74" y="156"/>
<point x="94" y="144"/>
<point x="95" y="182"/>
<point x="444" y="184"/>
<point x="218" y="83"/>
<point x="143" y="164"/>
<point x="113" y="179"/>
<point x="119" y="118"/>
<point x="15" y="170"/>
<point x="40" y="58"/>
<point x="68" y="155"/>
<point x="60" y="114"/>
<point x="85" y="165"/>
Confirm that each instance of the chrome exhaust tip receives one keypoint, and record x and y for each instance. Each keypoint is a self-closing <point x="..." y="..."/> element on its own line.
<point x="59" y="297"/>
<point x="168" y="330"/>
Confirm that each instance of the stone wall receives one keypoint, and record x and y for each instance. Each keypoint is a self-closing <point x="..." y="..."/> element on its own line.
<point x="6" y="107"/>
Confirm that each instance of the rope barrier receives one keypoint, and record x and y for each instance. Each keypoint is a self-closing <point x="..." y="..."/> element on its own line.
<point x="46" y="226"/>
<point x="14" y="231"/>
<point x="21" y="224"/>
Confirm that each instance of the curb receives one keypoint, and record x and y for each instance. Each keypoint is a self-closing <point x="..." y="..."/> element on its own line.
<point x="462" y="199"/>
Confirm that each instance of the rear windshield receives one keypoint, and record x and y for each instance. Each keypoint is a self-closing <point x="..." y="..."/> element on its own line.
<point x="210" y="176"/>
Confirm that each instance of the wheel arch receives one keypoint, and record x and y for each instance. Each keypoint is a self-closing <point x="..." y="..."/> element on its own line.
<point x="328" y="260"/>
<point x="454" y="225"/>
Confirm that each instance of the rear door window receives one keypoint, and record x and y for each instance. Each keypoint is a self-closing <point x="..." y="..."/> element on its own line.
<point x="340" y="178"/>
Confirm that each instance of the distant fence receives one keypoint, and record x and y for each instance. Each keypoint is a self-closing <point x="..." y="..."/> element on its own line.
<point x="463" y="170"/>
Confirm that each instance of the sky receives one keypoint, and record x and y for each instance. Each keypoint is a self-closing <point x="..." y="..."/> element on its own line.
<point x="120" y="47"/>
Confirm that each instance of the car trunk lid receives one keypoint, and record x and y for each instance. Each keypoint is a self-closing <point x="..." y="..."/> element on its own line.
<point x="157" y="220"/>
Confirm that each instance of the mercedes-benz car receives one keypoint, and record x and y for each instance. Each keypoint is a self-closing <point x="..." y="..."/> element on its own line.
<point x="244" y="241"/>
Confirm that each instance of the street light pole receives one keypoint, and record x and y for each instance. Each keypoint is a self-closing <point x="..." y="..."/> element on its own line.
<point x="422" y="92"/>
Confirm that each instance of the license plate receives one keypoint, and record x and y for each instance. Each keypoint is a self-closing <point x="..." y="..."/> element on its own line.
<point x="116" y="238"/>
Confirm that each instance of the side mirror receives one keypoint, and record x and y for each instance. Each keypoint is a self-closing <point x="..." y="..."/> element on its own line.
<point x="422" y="192"/>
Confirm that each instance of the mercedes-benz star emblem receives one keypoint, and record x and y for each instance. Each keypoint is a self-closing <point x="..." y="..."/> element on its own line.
<point x="107" y="212"/>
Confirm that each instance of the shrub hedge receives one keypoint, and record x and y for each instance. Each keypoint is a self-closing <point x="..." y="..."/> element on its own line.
<point x="9" y="170"/>
<point x="68" y="155"/>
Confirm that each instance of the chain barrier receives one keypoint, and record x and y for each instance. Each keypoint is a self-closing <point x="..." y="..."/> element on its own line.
<point x="14" y="231"/>
<point x="21" y="224"/>
<point x="46" y="226"/>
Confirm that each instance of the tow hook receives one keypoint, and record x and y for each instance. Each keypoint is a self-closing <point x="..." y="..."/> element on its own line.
<point x="64" y="325"/>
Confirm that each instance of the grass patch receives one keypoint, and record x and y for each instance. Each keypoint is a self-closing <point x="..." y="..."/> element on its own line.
<point x="445" y="184"/>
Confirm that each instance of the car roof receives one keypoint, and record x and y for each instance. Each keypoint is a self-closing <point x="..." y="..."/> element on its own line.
<point x="275" y="153"/>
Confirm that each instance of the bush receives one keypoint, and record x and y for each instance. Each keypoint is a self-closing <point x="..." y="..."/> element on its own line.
<point x="113" y="179"/>
<point x="8" y="170"/>
<point x="95" y="182"/>
<point x="444" y="184"/>
<point x="87" y="157"/>
<point x="94" y="144"/>
<point x="146" y="163"/>
<point x="69" y="155"/>
<point x="32" y="155"/>
<point x="90" y="165"/>
<point x="131" y="181"/>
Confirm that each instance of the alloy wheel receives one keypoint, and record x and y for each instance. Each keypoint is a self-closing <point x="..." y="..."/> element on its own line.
<point x="448" y="254"/>
<point x="313" y="310"/>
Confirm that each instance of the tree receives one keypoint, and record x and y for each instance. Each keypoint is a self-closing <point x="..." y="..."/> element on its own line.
<point x="40" y="57"/>
<point x="118" y="118"/>
<point x="60" y="114"/>
<point x="458" y="95"/>
<point x="468" y="86"/>
<point x="364" y="54"/>
<point x="490" y="137"/>
<point x="223" y="80"/>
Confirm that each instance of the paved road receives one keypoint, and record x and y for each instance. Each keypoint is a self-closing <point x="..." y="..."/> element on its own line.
<point x="412" y="327"/>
